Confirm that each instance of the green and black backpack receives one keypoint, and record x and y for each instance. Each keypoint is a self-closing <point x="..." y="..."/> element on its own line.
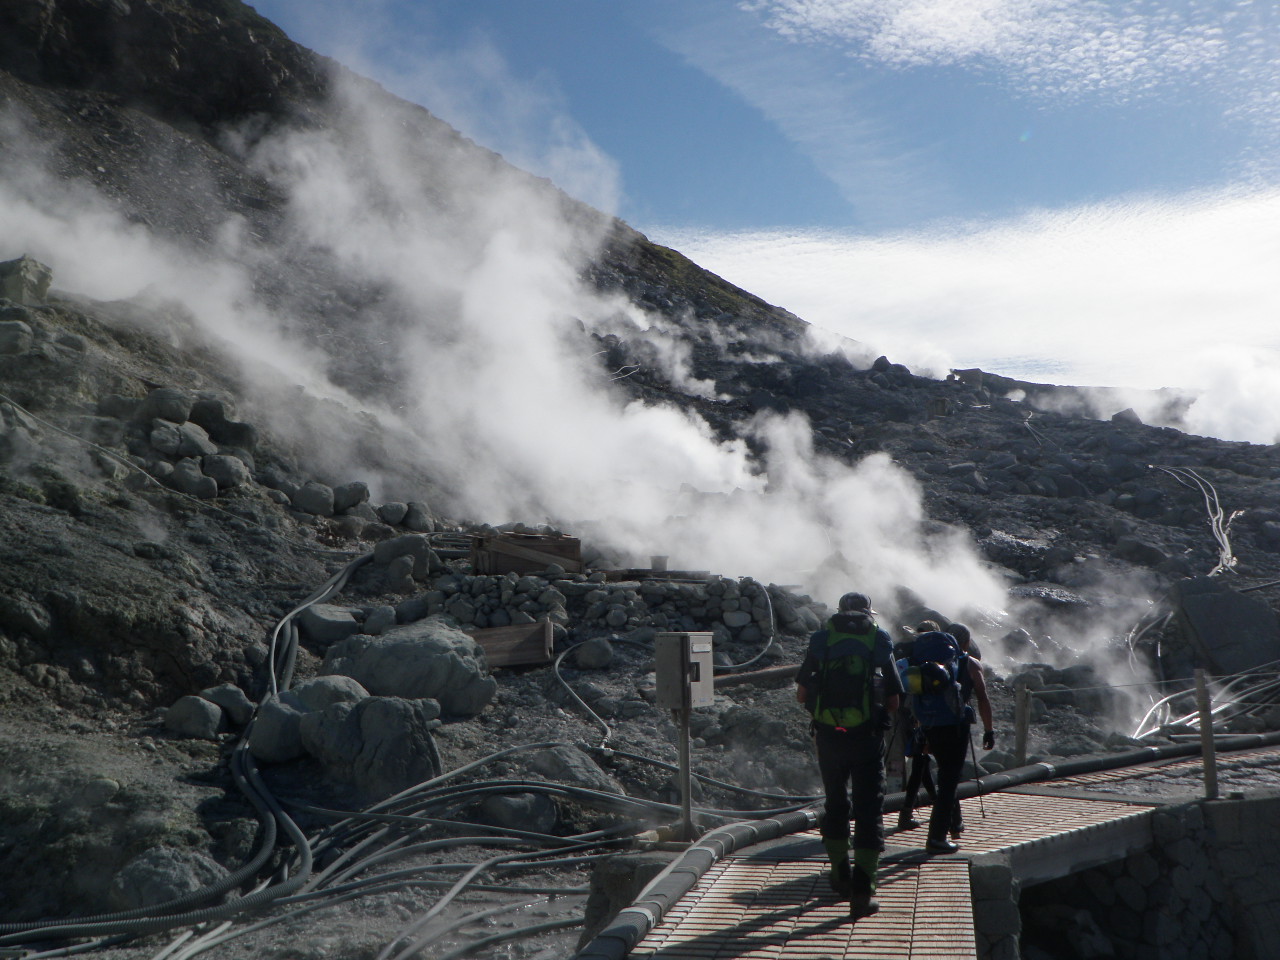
<point x="844" y="696"/>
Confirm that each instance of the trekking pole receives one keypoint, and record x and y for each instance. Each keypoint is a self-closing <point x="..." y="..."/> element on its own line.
<point x="973" y="752"/>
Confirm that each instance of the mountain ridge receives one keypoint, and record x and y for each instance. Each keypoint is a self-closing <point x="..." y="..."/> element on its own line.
<point x="287" y="332"/>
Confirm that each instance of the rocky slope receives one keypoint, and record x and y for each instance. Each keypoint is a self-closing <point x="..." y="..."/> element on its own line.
<point x="169" y="494"/>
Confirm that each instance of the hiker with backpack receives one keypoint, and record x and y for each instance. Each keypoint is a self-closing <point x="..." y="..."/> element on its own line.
<point x="915" y="746"/>
<point x="846" y="670"/>
<point x="939" y="677"/>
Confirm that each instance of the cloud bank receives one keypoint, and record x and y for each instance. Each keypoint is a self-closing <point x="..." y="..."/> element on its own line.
<point x="1145" y="293"/>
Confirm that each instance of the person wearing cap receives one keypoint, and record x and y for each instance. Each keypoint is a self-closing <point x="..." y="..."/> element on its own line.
<point x="848" y="659"/>
<point x="915" y="744"/>
<point x="972" y="683"/>
<point x="946" y="718"/>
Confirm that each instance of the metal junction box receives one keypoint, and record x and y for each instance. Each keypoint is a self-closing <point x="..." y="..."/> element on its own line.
<point x="682" y="661"/>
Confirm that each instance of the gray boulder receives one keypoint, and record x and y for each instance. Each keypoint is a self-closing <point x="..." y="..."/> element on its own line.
<point x="593" y="654"/>
<point x="194" y="717"/>
<point x="213" y="415"/>
<point x="326" y="623"/>
<point x="319" y="692"/>
<point x="1137" y="550"/>
<point x="532" y="812"/>
<point x="165" y="438"/>
<point x="15" y="337"/>
<point x="399" y="577"/>
<point x="1232" y="632"/>
<point x="194" y="442"/>
<point x="226" y="471"/>
<point x="21" y="614"/>
<point x="381" y="745"/>
<point x="165" y="403"/>
<point x="379" y="619"/>
<point x="162" y="874"/>
<point x="415" y="545"/>
<point x="568" y="764"/>
<point x="348" y="495"/>
<point x="25" y="280"/>
<point x="392" y="513"/>
<point x="188" y="478"/>
<point x="418" y="517"/>
<point x="233" y="701"/>
<point x="362" y="510"/>
<point x="426" y="659"/>
<point x="276" y="736"/>
<point x="315" y="498"/>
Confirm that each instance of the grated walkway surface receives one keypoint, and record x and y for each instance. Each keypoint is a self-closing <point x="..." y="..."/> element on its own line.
<point x="1252" y="768"/>
<point x="760" y="910"/>
<point x="775" y="903"/>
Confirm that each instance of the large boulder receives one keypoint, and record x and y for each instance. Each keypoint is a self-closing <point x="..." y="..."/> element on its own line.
<point x="233" y="701"/>
<point x="414" y="545"/>
<point x="568" y="764"/>
<point x="171" y="404"/>
<point x="1232" y="632"/>
<point x="326" y="623"/>
<point x="15" y="337"/>
<point x="381" y="745"/>
<point x="429" y="658"/>
<point x="226" y="471"/>
<point x="194" y="717"/>
<point x="320" y="692"/>
<point x="25" y="280"/>
<point x="349" y="495"/>
<point x="276" y="735"/>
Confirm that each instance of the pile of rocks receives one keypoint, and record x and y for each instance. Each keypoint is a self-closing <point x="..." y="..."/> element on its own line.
<point x="367" y="719"/>
<point x="734" y="611"/>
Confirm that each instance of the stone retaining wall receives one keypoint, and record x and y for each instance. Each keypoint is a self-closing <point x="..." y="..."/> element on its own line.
<point x="1208" y="887"/>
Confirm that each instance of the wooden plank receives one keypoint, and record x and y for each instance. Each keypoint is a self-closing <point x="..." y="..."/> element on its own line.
<point x="521" y="644"/>
<point x="525" y="553"/>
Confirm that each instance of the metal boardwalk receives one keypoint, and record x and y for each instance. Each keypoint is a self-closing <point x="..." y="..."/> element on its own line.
<point x="774" y="902"/>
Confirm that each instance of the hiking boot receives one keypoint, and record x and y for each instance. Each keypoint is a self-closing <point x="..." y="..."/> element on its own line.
<point x="861" y="903"/>
<point x="941" y="846"/>
<point x="841" y="880"/>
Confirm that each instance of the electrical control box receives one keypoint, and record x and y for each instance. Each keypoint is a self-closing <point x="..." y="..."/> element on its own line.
<point x="682" y="663"/>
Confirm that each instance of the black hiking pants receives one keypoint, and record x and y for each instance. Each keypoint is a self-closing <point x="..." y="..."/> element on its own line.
<point x="852" y="768"/>
<point x="947" y="744"/>
<point x="917" y="778"/>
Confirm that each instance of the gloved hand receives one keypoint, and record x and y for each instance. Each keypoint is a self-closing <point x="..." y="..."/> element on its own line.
<point x="988" y="740"/>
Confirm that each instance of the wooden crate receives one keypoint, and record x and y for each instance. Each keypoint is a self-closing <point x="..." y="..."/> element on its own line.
<point x="522" y="644"/>
<point x="524" y="553"/>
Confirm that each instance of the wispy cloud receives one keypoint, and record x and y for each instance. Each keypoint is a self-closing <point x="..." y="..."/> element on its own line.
<point x="1144" y="293"/>
<point x="829" y="114"/>
<point x="1051" y="47"/>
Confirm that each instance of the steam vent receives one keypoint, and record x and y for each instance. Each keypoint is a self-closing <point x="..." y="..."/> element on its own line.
<point x="351" y="478"/>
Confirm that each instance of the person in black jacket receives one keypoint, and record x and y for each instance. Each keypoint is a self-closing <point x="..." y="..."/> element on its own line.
<point x="837" y="683"/>
<point x="947" y="733"/>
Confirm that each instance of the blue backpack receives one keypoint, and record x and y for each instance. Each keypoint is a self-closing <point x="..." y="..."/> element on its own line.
<point x="935" y="676"/>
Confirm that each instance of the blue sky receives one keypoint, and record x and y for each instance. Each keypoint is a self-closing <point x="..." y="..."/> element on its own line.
<point x="1079" y="192"/>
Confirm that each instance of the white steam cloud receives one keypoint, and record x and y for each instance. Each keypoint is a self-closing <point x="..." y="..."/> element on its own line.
<point x="474" y="269"/>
